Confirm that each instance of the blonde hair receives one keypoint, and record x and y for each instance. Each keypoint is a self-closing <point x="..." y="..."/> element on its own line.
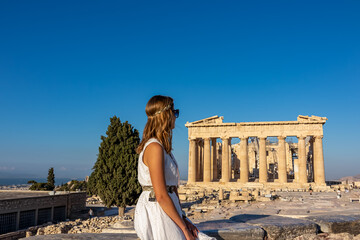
<point x="159" y="124"/>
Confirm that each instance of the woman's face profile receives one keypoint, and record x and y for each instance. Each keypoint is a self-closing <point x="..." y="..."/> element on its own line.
<point x="173" y="118"/>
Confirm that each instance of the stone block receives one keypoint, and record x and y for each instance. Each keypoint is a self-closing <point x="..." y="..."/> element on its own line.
<point x="277" y="227"/>
<point x="338" y="223"/>
<point x="256" y="193"/>
<point x="229" y="230"/>
<point x="263" y="199"/>
<point x="182" y="197"/>
<point x="245" y="194"/>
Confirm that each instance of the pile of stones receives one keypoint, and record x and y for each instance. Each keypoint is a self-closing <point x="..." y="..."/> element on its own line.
<point x="93" y="225"/>
<point x="214" y="195"/>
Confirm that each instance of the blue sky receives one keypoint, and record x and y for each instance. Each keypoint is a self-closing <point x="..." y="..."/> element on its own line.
<point x="66" y="67"/>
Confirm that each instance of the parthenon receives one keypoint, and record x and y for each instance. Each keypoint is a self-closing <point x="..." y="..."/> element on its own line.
<point x="264" y="154"/>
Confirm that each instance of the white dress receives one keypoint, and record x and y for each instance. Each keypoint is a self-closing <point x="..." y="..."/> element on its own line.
<point x="151" y="222"/>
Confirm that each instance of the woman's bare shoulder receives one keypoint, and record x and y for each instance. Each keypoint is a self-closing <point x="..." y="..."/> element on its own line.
<point x="153" y="150"/>
<point x="154" y="146"/>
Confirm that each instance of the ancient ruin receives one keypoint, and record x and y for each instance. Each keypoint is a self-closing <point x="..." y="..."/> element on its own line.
<point x="23" y="209"/>
<point x="263" y="157"/>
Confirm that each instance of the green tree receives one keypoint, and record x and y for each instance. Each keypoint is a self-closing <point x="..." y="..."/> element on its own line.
<point x="91" y="185"/>
<point x="51" y="179"/>
<point x="74" y="185"/>
<point x="39" y="186"/>
<point x="114" y="178"/>
<point x="63" y="187"/>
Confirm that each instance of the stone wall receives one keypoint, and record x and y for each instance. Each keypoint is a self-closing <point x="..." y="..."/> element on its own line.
<point x="21" y="213"/>
<point x="77" y="203"/>
<point x="23" y="204"/>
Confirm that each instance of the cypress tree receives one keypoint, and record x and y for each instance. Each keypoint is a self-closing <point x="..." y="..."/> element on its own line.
<point x="51" y="179"/>
<point x="114" y="176"/>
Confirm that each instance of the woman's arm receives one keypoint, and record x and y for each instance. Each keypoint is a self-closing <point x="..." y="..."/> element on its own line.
<point x="193" y="229"/>
<point x="154" y="159"/>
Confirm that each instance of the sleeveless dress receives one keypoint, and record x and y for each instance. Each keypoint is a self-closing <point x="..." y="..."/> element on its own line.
<point x="150" y="220"/>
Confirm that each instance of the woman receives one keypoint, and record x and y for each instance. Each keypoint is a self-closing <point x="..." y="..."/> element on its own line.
<point x="158" y="213"/>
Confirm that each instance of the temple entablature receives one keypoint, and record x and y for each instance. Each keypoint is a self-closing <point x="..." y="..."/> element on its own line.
<point x="215" y="127"/>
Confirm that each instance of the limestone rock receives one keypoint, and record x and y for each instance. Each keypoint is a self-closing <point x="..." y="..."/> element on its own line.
<point x="338" y="223"/>
<point x="279" y="227"/>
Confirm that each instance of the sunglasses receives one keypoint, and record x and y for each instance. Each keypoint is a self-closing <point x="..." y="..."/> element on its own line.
<point x="176" y="112"/>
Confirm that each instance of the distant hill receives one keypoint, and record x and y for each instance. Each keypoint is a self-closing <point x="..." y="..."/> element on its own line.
<point x="7" y="175"/>
<point x="20" y="181"/>
<point x="355" y="178"/>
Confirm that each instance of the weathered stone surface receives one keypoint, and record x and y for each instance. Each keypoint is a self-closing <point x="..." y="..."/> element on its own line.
<point x="326" y="236"/>
<point x="182" y="197"/>
<point x="31" y="200"/>
<point x="121" y="227"/>
<point x="94" y="225"/>
<point x="230" y="230"/>
<point x="278" y="227"/>
<point x="85" y="236"/>
<point x="338" y="223"/>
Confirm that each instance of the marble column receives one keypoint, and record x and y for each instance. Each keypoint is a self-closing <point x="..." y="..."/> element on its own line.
<point x="207" y="160"/>
<point x="230" y="159"/>
<point x="302" y="159"/>
<point x="192" y="161"/>
<point x="244" y="160"/>
<point x="225" y="160"/>
<point x="214" y="159"/>
<point x="263" y="176"/>
<point x="312" y="172"/>
<point x="282" y="174"/>
<point x="199" y="160"/>
<point x="319" y="168"/>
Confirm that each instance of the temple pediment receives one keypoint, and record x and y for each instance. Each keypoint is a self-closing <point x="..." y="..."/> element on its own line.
<point x="210" y="120"/>
<point x="302" y="118"/>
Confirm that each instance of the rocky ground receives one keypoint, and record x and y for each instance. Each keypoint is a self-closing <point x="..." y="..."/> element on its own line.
<point x="288" y="204"/>
<point x="93" y="225"/>
<point x="271" y="215"/>
<point x="328" y="236"/>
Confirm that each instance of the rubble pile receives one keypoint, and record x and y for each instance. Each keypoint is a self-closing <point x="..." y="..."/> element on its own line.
<point x="93" y="200"/>
<point x="199" y="200"/>
<point x="214" y="195"/>
<point x="93" y="225"/>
